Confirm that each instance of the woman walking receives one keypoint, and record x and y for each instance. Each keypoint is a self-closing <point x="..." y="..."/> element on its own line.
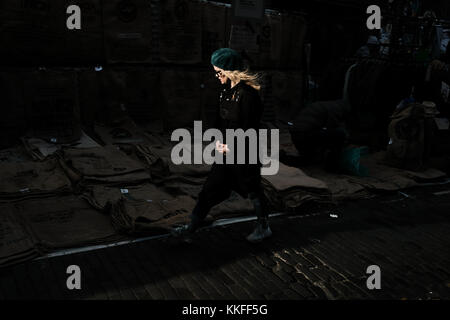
<point x="240" y="108"/>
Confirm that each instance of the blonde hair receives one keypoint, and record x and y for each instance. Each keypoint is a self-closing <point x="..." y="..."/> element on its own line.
<point x="252" y="79"/>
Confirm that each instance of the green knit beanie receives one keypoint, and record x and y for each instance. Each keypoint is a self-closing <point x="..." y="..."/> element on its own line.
<point x="227" y="59"/>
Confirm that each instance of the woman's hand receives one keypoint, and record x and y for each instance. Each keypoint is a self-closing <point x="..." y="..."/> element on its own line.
<point x="222" y="148"/>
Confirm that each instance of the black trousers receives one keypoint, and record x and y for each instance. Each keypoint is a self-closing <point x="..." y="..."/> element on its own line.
<point x="225" y="178"/>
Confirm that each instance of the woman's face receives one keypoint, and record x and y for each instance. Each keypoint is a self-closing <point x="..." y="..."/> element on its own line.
<point x="219" y="74"/>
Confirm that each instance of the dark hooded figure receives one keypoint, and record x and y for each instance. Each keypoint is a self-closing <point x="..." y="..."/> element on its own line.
<point x="240" y="108"/>
<point x="319" y="132"/>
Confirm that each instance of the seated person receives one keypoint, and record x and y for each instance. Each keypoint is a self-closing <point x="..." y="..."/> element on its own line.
<point x="319" y="133"/>
<point x="439" y="76"/>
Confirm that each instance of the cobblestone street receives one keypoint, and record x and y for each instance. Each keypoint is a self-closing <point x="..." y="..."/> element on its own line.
<point x="314" y="256"/>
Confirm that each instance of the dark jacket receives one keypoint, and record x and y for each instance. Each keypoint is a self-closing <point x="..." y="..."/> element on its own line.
<point x="240" y="108"/>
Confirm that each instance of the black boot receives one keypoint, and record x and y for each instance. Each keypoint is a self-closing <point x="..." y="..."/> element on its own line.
<point x="262" y="230"/>
<point x="191" y="227"/>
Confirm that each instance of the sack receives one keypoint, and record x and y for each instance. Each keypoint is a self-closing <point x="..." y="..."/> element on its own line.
<point x="407" y="147"/>
<point x="349" y="161"/>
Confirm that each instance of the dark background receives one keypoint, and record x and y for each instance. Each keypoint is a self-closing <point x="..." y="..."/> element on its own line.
<point x="154" y="62"/>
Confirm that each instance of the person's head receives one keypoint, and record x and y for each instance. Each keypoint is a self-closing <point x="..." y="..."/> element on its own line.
<point x="221" y="75"/>
<point x="229" y="66"/>
<point x="373" y="44"/>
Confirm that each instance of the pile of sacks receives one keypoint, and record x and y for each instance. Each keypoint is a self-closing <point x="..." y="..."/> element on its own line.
<point x="291" y="188"/>
<point x="84" y="193"/>
<point x="16" y="243"/>
<point x="39" y="212"/>
<point x="64" y="222"/>
<point x="140" y="209"/>
<point x="106" y="165"/>
<point x="23" y="180"/>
